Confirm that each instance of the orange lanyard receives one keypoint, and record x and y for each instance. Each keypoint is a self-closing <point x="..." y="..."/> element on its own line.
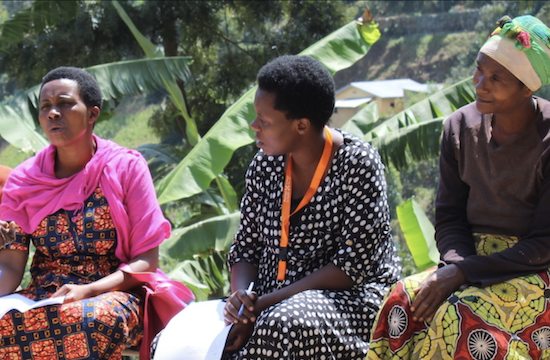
<point x="287" y="192"/>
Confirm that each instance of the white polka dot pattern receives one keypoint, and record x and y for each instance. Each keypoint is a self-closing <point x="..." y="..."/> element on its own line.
<point x="346" y="224"/>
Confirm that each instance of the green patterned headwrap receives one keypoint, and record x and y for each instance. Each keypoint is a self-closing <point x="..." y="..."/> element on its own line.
<point x="522" y="45"/>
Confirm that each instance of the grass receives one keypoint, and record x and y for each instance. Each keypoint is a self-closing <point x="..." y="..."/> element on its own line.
<point x="128" y="130"/>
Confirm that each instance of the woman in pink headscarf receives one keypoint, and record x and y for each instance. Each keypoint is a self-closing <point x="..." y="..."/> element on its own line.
<point x="88" y="206"/>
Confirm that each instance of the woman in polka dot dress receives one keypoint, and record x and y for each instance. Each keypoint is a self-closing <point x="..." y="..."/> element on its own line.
<point x="318" y="288"/>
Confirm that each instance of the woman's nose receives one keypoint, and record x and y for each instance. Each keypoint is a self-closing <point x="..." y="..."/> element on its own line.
<point x="254" y="124"/>
<point x="480" y="82"/>
<point x="54" y="113"/>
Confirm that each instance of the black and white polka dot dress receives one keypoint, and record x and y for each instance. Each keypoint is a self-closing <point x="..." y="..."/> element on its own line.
<point x="346" y="224"/>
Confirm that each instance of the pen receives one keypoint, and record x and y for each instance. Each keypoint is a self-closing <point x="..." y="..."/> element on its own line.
<point x="248" y="291"/>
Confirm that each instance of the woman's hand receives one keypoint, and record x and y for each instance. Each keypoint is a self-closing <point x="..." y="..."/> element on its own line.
<point x="435" y="289"/>
<point x="233" y="305"/>
<point x="74" y="292"/>
<point x="238" y="336"/>
<point x="7" y="233"/>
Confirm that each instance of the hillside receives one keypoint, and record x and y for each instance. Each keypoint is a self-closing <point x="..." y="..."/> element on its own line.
<point x="435" y="48"/>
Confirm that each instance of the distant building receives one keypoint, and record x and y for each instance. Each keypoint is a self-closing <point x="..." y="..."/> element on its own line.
<point x="389" y="95"/>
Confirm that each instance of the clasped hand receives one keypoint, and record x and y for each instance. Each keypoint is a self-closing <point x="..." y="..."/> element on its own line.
<point x="434" y="290"/>
<point x="243" y="325"/>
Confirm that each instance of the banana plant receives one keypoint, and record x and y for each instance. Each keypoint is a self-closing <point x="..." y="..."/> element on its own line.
<point x="419" y="234"/>
<point x="18" y="114"/>
<point x="197" y="255"/>
<point x="175" y="94"/>
<point x="414" y="133"/>
<point x="209" y="157"/>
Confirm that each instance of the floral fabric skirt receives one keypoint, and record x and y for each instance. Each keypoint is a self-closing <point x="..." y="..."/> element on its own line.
<point x="96" y="328"/>
<point x="508" y="320"/>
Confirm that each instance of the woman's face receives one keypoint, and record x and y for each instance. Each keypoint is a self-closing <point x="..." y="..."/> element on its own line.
<point x="497" y="90"/>
<point x="62" y="113"/>
<point x="274" y="133"/>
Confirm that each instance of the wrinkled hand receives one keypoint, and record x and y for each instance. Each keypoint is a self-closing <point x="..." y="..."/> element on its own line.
<point x="233" y="304"/>
<point x="74" y="292"/>
<point x="434" y="290"/>
<point x="238" y="336"/>
<point x="7" y="233"/>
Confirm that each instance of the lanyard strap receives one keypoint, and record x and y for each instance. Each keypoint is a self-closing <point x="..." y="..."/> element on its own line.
<point x="287" y="192"/>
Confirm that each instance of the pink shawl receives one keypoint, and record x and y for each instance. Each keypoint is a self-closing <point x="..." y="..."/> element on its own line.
<point x="33" y="192"/>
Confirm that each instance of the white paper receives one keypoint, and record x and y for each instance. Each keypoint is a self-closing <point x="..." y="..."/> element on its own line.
<point x="196" y="333"/>
<point x="22" y="304"/>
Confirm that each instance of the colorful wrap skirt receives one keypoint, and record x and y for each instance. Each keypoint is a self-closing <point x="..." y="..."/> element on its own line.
<point x="508" y="320"/>
<point x="100" y="327"/>
<point x="73" y="249"/>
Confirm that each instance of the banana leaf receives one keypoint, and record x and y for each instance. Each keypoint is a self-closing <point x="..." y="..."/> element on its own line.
<point x="150" y="49"/>
<point x="209" y="157"/>
<point x="160" y="158"/>
<point x="207" y="277"/>
<point x="17" y="125"/>
<point x="175" y="94"/>
<point x="419" y="234"/>
<point x="415" y="142"/>
<point x="134" y="77"/>
<point x="201" y="254"/>
<point x="442" y="103"/>
<point x="416" y="130"/>
<point x="118" y="79"/>
<point x="200" y="239"/>
<point x="363" y="121"/>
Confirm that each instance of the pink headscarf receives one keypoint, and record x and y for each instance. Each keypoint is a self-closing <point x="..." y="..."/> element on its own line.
<point x="33" y="192"/>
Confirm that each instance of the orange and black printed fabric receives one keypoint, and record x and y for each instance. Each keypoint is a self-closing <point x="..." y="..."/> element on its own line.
<point x="72" y="248"/>
<point x="96" y="328"/>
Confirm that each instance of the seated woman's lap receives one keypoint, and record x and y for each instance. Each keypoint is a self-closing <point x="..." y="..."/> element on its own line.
<point x="96" y="328"/>
<point x="310" y="324"/>
<point x="511" y="317"/>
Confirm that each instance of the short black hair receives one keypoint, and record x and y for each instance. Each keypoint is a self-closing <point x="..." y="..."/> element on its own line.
<point x="87" y="84"/>
<point x="303" y="88"/>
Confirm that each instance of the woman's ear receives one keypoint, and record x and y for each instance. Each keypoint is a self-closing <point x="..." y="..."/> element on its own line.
<point x="303" y="125"/>
<point x="93" y="114"/>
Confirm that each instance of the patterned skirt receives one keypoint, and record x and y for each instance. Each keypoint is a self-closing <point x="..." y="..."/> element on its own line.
<point x="96" y="328"/>
<point x="508" y="320"/>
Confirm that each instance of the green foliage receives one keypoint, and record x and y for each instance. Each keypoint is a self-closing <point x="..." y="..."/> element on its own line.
<point x="197" y="255"/>
<point x="119" y="79"/>
<point x="42" y="14"/>
<point x="135" y="129"/>
<point x="209" y="157"/>
<point x="419" y="233"/>
<point x="413" y="134"/>
<point x="363" y="121"/>
<point x="87" y="34"/>
<point x="12" y="156"/>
